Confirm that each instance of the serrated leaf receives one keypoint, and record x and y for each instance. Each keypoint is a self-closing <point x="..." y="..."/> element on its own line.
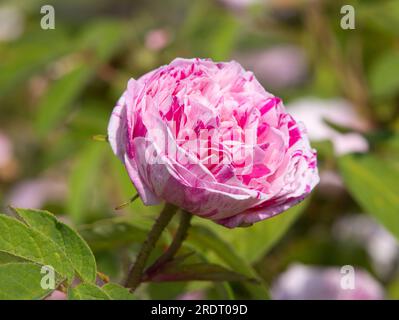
<point x="373" y="183"/>
<point x="117" y="292"/>
<point x="22" y="281"/>
<point x="86" y="291"/>
<point x="111" y="233"/>
<point x="196" y="272"/>
<point x="75" y="248"/>
<point x="19" y="240"/>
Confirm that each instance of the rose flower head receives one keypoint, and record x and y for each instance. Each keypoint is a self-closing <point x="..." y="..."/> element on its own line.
<point x="208" y="138"/>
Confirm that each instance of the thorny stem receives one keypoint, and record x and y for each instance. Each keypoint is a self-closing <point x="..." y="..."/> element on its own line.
<point x="135" y="274"/>
<point x="180" y="236"/>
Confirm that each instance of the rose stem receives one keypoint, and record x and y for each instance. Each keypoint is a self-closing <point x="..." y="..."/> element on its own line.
<point x="180" y="236"/>
<point x="134" y="276"/>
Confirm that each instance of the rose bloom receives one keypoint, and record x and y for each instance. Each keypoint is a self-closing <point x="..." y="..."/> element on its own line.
<point x="208" y="138"/>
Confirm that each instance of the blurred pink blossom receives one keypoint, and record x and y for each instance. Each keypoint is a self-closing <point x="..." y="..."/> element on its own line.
<point x="57" y="295"/>
<point x="240" y="4"/>
<point x="301" y="282"/>
<point x="36" y="193"/>
<point x="331" y="183"/>
<point x="8" y="163"/>
<point x="157" y="39"/>
<point x="12" y="23"/>
<point x="277" y="67"/>
<point x="314" y="113"/>
<point x="381" y="246"/>
<point x="192" y="295"/>
<point x="6" y="150"/>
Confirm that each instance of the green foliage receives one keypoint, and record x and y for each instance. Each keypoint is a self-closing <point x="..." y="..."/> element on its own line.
<point x="86" y="291"/>
<point x="21" y="281"/>
<point x="40" y="240"/>
<point x="260" y="237"/>
<point x="384" y="79"/>
<point x="217" y="250"/>
<point x="117" y="292"/>
<point x="57" y="90"/>
<point x="195" y="272"/>
<point x="83" y="180"/>
<point x="112" y="233"/>
<point x="373" y="182"/>
<point x="74" y="247"/>
<point x="61" y="94"/>
<point x="19" y="240"/>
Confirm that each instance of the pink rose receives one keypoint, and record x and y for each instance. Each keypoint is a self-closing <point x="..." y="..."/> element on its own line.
<point x="208" y="138"/>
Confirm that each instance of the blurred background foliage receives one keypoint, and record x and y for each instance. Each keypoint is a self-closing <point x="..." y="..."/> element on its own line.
<point x="58" y="87"/>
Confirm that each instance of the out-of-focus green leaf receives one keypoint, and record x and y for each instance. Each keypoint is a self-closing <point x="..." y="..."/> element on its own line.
<point x="253" y="242"/>
<point x="384" y="80"/>
<point x="84" y="178"/>
<point x="218" y="251"/>
<point x="384" y="15"/>
<point x="86" y="291"/>
<point x="27" y="58"/>
<point x="60" y="95"/>
<point x="98" y="43"/>
<point x="22" y="281"/>
<point x="21" y="241"/>
<point x="196" y="272"/>
<point x="215" y="38"/>
<point x="117" y="292"/>
<point x="103" y="38"/>
<point x="75" y="248"/>
<point x="111" y="233"/>
<point x="373" y="183"/>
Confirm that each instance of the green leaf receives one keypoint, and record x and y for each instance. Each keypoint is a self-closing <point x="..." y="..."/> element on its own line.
<point x="20" y="66"/>
<point x="382" y="15"/>
<point x="117" y="292"/>
<point x="84" y="178"/>
<point x="97" y="43"/>
<point x="196" y="272"/>
<point x="373" y="183"/>
<point x="8" y="258"/>
<point x="253" y="242"/>
<point x="218" y="251"/>
<point x="61" y="94"/>
<point x="22" y="281"/>
<point x="75" y="248"/>
<point x="384" y="80"/>
<point x="111" y="233"/>
<point x="103" y="38"/>
<point x="18" y="240"/>
<point x="86" y="291"/>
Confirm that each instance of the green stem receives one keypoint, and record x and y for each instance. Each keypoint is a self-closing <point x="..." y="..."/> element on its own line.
<point x="135" y="274"/>
<point x="180" y="236"/>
